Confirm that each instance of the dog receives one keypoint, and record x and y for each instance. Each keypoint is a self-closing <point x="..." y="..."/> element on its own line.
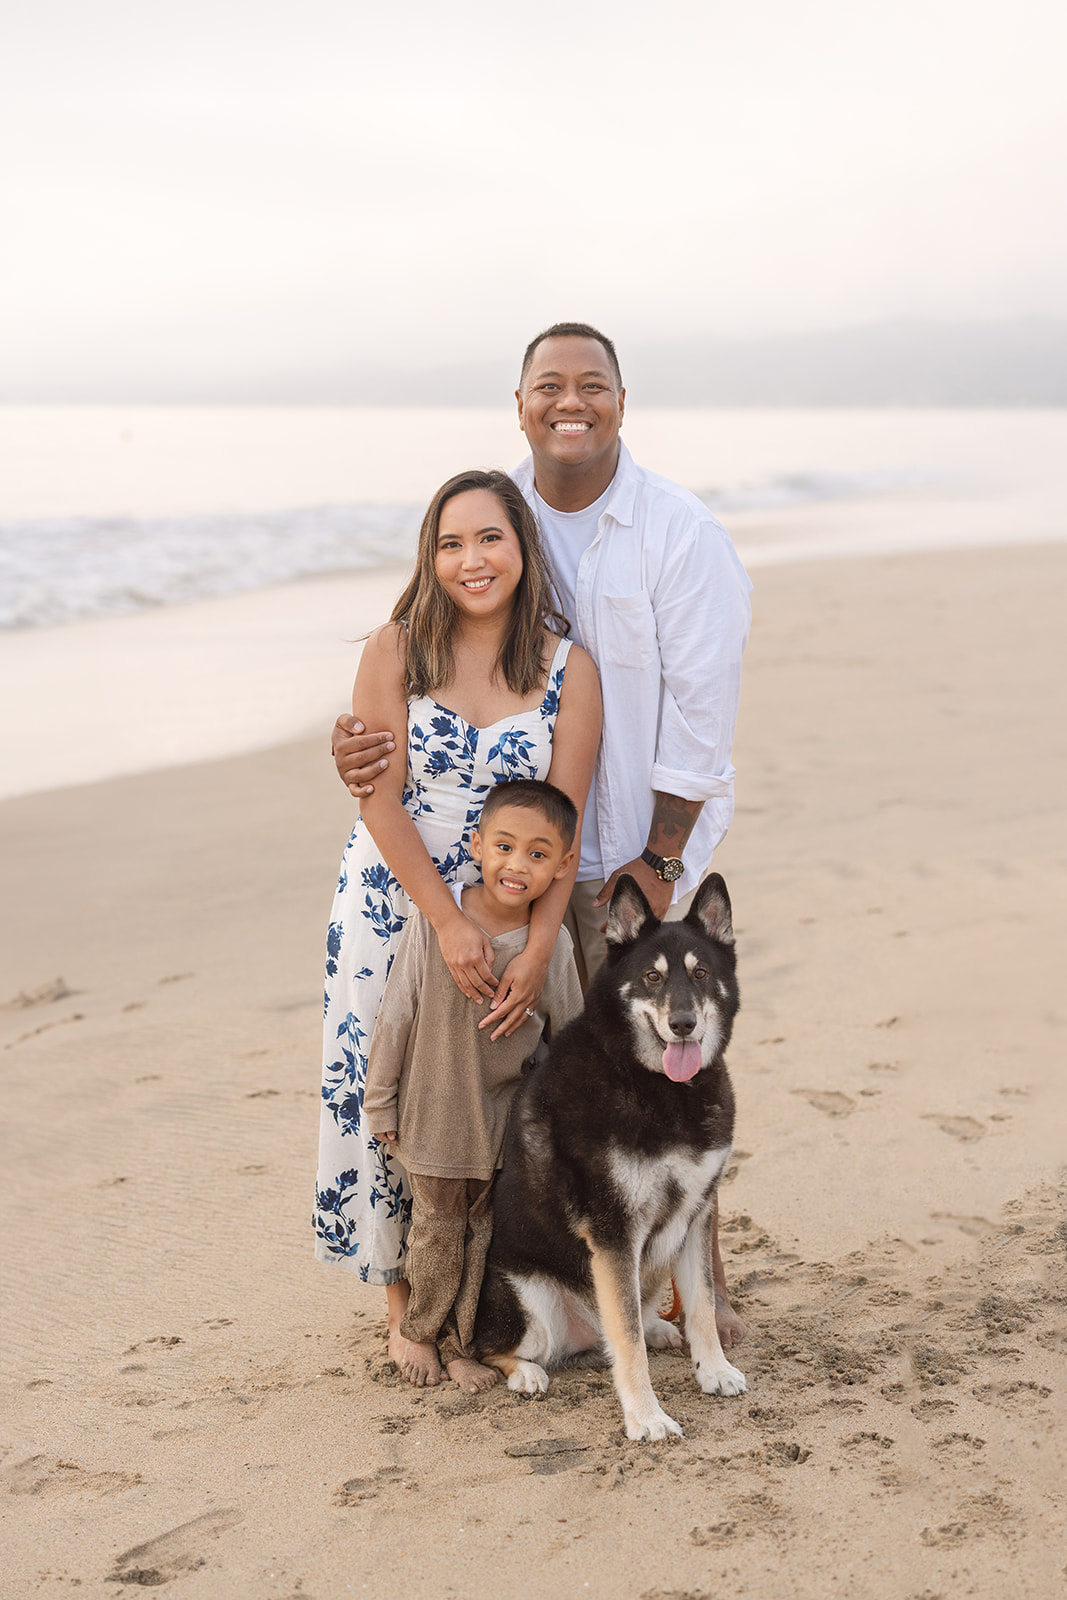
<point x="616" y="1144"/>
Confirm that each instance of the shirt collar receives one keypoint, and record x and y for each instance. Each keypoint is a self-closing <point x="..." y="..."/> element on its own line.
<point x="620" y="504"/>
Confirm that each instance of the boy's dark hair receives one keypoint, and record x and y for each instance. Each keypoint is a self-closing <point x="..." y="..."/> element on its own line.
<point x="571" y="330"/>
<point x="557" y="808"/>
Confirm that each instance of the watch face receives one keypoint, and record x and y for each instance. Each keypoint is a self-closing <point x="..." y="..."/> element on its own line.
<point x="672" y="869"/>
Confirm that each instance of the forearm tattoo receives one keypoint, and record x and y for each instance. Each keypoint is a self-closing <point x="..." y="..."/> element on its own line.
<point x="673" y="821"/>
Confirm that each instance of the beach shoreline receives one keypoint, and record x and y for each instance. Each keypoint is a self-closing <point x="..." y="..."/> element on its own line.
<point x="184" y="683"/>
<point x="191" y="1395"/>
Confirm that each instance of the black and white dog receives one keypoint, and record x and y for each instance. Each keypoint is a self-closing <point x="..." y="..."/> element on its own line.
<point x="616" y="1144"/>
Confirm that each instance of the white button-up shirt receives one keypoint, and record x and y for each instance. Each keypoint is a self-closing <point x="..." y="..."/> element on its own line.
<point x="662" y="607"/>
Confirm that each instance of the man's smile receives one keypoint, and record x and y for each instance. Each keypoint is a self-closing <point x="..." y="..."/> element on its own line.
<point x="571" y="427"/>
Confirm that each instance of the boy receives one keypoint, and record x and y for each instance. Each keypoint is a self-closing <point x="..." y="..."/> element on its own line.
<point x="447" y="1087"/>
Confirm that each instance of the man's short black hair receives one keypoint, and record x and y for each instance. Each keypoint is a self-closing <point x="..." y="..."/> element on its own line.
<point x="557" y="808"/>
<point x="571" y="330"/>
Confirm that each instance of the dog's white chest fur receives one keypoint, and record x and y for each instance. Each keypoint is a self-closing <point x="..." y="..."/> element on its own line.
<point x="650" y="1188"/>
<point x="663" y="1196"/>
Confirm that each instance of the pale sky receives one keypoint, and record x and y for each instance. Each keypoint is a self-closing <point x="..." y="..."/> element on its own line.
<point x="204" y="190"/>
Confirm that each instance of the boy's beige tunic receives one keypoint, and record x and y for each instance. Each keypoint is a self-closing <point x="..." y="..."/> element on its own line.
<point x="431" y="1074"/>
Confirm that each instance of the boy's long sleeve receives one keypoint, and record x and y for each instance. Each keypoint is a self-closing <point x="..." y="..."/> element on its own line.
<point x="561" y="999"/>
<point x="392" y="1029"/>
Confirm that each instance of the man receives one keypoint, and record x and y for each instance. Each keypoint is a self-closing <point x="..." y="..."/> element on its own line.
<point x="654" y="591"/>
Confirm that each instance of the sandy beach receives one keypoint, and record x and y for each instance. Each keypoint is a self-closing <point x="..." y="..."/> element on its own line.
<point x="193" y="1402"/>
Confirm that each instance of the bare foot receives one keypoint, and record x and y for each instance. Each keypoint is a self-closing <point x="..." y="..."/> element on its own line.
<point x="397" y="1296"/>
<point x="471" y="1375"/>
<point x="731" y="1329"/>
<point x="419" y="1364"/>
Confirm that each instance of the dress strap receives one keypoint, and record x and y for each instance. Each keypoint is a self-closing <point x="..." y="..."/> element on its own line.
<point x="555" y="672"/>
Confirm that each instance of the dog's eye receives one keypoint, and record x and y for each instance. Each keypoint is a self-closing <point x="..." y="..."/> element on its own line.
<point x="700" y="972"/>
<point x="652" y="976"/>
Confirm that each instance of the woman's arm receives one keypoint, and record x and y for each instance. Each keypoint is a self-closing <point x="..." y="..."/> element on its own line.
<point x="380" y="690"/>
<point x="575" y="741"/>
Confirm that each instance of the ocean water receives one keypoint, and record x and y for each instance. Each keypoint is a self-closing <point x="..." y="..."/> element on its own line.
<point x="148" y="556"/>
<point x="56" y="570"/>
<point x="107" y="511"/>
<point x="69" y="569"/>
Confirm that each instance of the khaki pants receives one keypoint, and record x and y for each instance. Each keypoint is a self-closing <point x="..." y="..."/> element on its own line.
<point x="583" y="921"/>
<point x="451" y="1226"/>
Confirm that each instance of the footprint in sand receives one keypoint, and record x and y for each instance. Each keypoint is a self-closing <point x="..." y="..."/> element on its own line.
<point x="397" y="1424"/>
<point x="977" y="1513"/>
<point x="170" y="1554"/>
<point x="957" y="1446"/>
<point x="758" y="1508"/>
<point x="965" y="1129"/>
<point x="770" y="1417"/>
<point x="45" y="1027"/>
<point x="949" y="1533"/>
<point x="356" y="1490"/>
<point x="785" y="1453"/>
<point x="43" y="995"/>
<point x="934" y="1366"/>
<point x="888" y="1297"/>
<point x="46" y="1475"/>
<point x="1023" y="1393"/>
<point x="867" y="1444"/>
<point x="933" y="1410"/>
<point x="718" y="1535"/>
<point x="830" y="1101"/>
<point x="974" y="1227"/>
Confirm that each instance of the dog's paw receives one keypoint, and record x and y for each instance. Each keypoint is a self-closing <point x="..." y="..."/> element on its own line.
<point x="660" y="1335"/>
<point x="719" y="1380"/>
<point x="528" y="1378"/>
<point x="656" y="1424"/>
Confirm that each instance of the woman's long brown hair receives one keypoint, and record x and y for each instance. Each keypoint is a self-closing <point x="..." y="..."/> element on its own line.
<point x="431" y="614"/>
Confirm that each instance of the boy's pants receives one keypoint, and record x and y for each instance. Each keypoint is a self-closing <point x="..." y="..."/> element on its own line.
<point x="451" y="1226"/>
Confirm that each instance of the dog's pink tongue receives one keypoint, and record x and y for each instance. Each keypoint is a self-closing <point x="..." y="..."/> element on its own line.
<point x="681" y="1061"/>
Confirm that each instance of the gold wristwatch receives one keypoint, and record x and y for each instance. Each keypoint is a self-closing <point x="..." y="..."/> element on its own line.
<point x="669" y="868"/>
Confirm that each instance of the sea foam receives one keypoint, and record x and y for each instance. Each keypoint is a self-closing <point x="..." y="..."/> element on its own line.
<point x="70" y="569"/>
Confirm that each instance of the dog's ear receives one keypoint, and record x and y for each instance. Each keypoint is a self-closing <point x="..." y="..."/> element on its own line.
<point x="628" y="913"/>
<point x="710" y="910"/>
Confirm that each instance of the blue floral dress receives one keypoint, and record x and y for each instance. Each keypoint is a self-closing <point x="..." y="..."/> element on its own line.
<point x="362" y="1198"/>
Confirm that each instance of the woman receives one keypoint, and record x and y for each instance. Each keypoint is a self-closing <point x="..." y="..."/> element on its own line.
<point x="473" y="670"/>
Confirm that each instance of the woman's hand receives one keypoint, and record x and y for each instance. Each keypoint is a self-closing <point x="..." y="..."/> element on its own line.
<point x="468" y="957"/>
<point x="517" y="995"/>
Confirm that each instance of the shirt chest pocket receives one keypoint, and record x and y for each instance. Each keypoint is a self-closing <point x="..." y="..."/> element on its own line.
<point x="627" y="629"/>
